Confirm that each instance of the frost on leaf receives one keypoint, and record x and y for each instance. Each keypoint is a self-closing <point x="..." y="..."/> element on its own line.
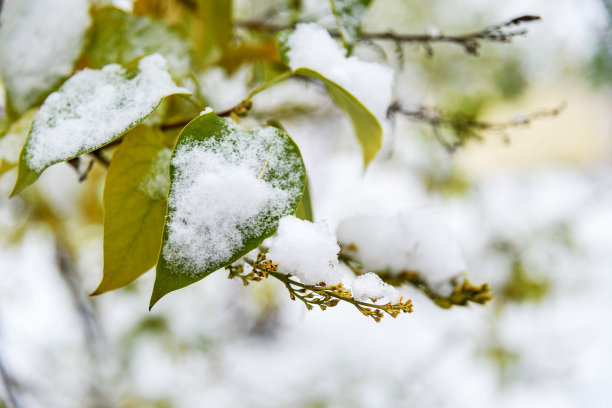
<point x="229" y="188"/>
<point x="90" y="110"/>
<point x="415" y="241"/>
<point x="349" y="14"/>
<point x="362" y="89"/>
<point x="40" y="42"/>
<point x="306" y="250"/>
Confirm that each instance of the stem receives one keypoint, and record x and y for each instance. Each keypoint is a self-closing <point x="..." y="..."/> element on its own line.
<point x="358" y="304"/>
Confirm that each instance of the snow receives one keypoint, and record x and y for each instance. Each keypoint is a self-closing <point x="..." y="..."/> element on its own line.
<point x="413" y="240"/>
<point x="40" y="42"/>
<point x="306" y="250"/>
<point x="95" y="106"/>
<point x="310" y="46"/>
<point x="218" y="200"/>
<point x="208" y="109"/>
<point x="125" y="5"/>
<point x="369" y="286"/>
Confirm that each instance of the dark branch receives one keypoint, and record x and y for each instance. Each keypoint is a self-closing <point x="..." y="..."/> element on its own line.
<point x="100" y="157"/>
<point x="471" y="42"/>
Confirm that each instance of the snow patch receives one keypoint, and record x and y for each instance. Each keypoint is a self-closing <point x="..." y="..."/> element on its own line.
<point x="306" y="250"/>
<point x="369" y="286"/>
<point x="415" y="240"/>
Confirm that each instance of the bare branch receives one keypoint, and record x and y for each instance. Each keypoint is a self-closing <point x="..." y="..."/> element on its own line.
<point x="471" y="42"/>
<point x="468" y="126"/>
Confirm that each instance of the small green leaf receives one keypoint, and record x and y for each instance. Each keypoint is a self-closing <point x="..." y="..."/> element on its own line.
<point x="120" y="37"/>
<point x="349" y="15"/>
<point x="229" y="188"/>
<point x="304" y="210"/>
<point x="367" y="128"/>
<point x="90" y="110"/>
<point x="135" y="199"/>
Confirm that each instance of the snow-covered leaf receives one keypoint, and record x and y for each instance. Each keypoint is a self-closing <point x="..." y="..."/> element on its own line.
<point x="121" y="37"/>
<point x="91" y="109"/>
<point x="135" y="198"/>
<point x="362" y="89"/>
<point x="40" y="41"/>
<point x="349" y="14"/>
<point x="229" y="188"/>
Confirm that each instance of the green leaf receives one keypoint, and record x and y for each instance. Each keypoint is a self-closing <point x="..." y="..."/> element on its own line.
<point x="120" y="37"/>
<point x="349" y="15"/>
<point x="135" y="199"/>
<point x="304" y="210"/>
<point x="90" y="110"/>
<point x="229" y="188"/>
<point x="366" y="126"/>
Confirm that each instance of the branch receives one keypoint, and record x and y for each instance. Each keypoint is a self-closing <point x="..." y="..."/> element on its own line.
<point x="314" y="295"/>
<point x="471" y="42"/>
<point x="467" y="127"/>
<point x="463" y="290"/>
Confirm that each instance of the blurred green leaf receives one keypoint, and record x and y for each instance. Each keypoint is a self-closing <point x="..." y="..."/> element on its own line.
<point x="135" y="199"/>
<point x="349" y="15"/>
<point x="120" y="37"/>
<point x="522" y="287"/>
<point x="218" y="136"/>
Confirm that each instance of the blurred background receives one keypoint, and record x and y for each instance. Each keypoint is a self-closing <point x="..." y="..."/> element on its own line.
<point x="530" y="204"/>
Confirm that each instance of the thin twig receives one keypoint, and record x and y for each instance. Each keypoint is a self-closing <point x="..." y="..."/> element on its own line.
<point x="471" y="42"/>
<point x="438" y="119"/>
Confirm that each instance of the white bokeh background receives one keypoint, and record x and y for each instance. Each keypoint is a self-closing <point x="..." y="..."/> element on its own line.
<point x="547" y="196"/>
